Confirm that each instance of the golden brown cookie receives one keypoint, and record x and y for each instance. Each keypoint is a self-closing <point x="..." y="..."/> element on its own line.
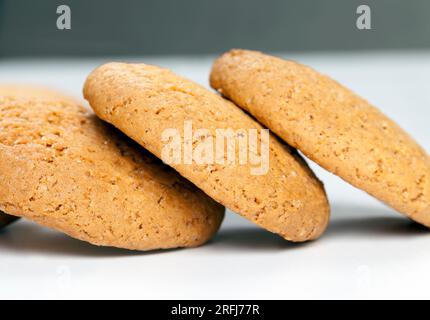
<point x="145" y="102"/>
<point x="63" y="168"/>
<point x="6" y="219"/>
<point x="331" y="125"/>
<point x="20" y="90"/>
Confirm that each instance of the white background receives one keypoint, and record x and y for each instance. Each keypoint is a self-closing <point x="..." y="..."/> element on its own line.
<point x="368" y="251"/>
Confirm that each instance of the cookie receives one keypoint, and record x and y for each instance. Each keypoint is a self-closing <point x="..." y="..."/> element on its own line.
<point x="21" y="90"/>
<point x="64" y="168"/>
<point x="6" y="219"/>
<point x="331" y="125"/>
<point x="147" y="102"/>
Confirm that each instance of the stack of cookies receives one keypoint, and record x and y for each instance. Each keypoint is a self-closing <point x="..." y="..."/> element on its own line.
<point x="160" y="157"/>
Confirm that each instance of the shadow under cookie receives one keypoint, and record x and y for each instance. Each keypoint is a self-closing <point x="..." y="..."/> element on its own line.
<point x="6" y="219"/>
<point x="28" y="237"/>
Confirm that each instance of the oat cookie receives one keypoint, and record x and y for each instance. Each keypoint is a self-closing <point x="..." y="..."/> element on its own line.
<point x="63" y="168"/>
<point x="331" y="125"/>
<point x="15" y="90"/>
<point x="144" y="101"/>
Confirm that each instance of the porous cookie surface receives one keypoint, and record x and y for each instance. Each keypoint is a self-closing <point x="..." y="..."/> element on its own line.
<point x="331" y="125"/>
<point x="6" y="219"/>
<point x="144" y="101"/>
<point x="14" y="90"/>
<point x="62" y="167"/>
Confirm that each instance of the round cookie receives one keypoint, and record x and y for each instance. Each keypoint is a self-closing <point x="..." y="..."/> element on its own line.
<point x="331" y="125"/>
<point x="6" y="219"/>
<point x="64" y="168"/>
<point x="21" y="90"/>
<point x="146" y="101"/>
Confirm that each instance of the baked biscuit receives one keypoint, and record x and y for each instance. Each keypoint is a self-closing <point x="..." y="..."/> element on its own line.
<point x="63" y="168"/>
<point x="146" y="101"/>
<point x="20" y="90"/>
<point x="331" y="125"/>
<point x="6" y="219"/>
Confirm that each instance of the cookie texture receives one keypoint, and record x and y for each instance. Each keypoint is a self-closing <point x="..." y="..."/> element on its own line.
<point x="331" y="125"/>
<point x="143" y="101"/>
<point x="63" y="168"/>
<point x="6" y="219"/>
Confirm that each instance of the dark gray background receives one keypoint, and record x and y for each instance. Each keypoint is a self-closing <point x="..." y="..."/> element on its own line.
<point x="132" y="27"/>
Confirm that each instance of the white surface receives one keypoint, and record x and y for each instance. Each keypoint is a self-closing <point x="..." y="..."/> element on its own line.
<point x="369" y="250"/>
